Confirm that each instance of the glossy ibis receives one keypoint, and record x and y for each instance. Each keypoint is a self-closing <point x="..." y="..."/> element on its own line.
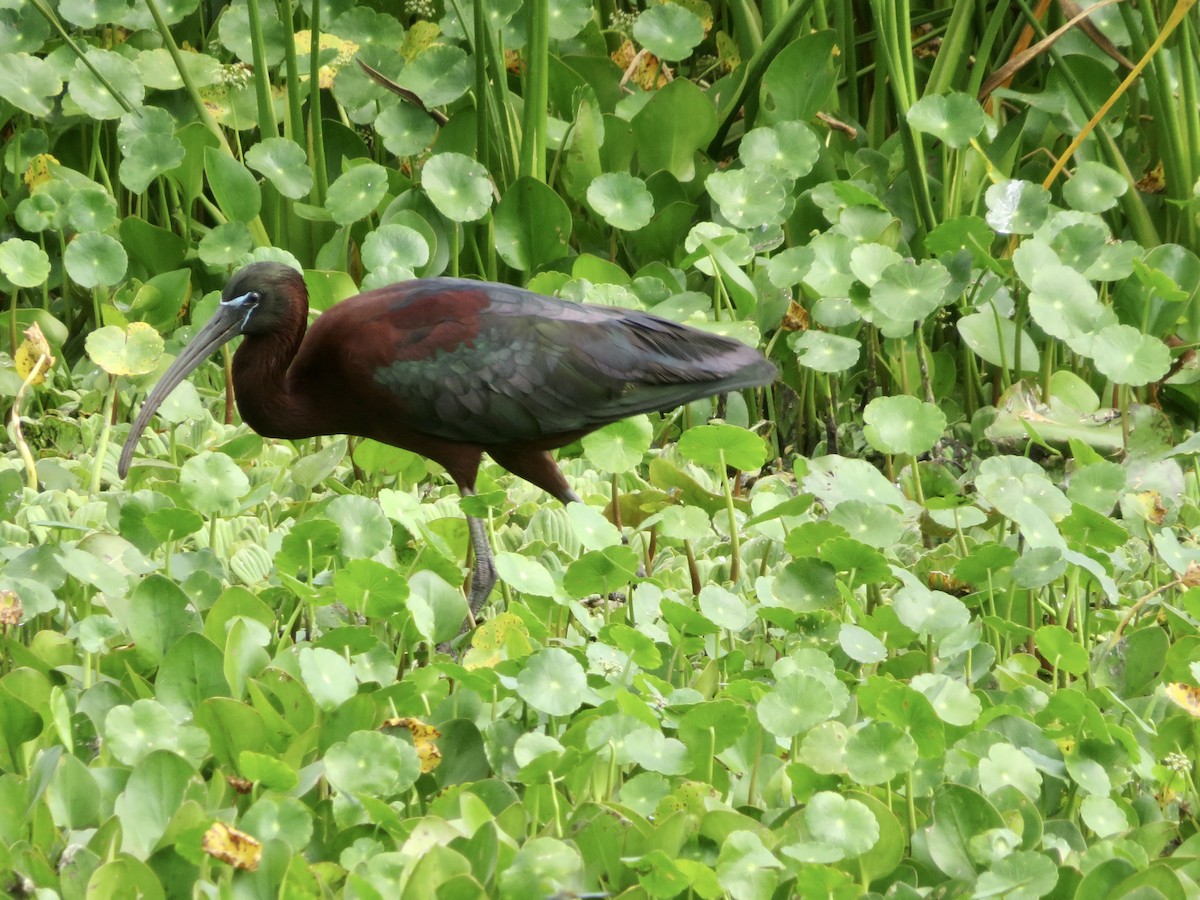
<point x="452" y="369"/>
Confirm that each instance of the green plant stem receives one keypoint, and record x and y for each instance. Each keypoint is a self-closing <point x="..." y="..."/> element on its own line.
<point x="105" y="433"/>
<point x="295" y="119"/>
<point x="735" y="539"/>
<point x="537" y="90"/>
<point x="316" y="130"/>
<point x="262" y="76"/>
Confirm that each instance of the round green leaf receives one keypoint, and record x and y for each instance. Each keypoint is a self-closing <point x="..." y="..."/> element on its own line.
<point x="458" y="186"/>
<point x="93" y="97"/>
<point x="823" y="351"/>
<point x="372" y="763"/>
<point x="405" y="129"/>
<point x="121" y="352"/>
<point x="370" y="588"/>
<point x="439" y="75"/>
<point x="860" y="645"/>
<point x="328" y="676"/>
<point x="356" y="193"/>
<point x="95" y="260"/>
<point x="1064" y="304"/>
<point x="724" y="608"/>
<point x="1023" y="875"/>
<point x="285" y="165"/>
<point x="29" y="83"/>
<point x="132" y="733"/>
<point x="1038" y="567"/>
<point x="621" y="200"/>
<point x="212" y="483"/>
<point x="903" y="424"/>
<point x="24" y="263"/>
<point x="953" y="118"/>
<point x="879" y="752"/>
<point x="748" y="198"/>
<point x="601" y="571"/>
<point x="1094" y="188"/>
<point x="1017" y="207"/>
<point x="552" y="682"/>
<point x="846" y="824"/>
<point x="365" y="529"/>
<point x="91" y="209"/>
<point x="719" y="445"/>
<point x="286" y="819"/>
<point x="395" y="245"/>
<point x="226" y="244"/>
<point x="952" y="700"/>
<point x="619" y="447"/>
<point x="234" y="30"/>
<point x="909" y="292"/>
<point x="788" y="147"/>
<point x="1061" y="649"/>
<point x="1126" y="356"/>
<point x="1007" y="766"/>
<point x="524" y="574"/>
<point x="654" y="752"/>
<point x="668" y="30"/>
<point x="798" y="702"/>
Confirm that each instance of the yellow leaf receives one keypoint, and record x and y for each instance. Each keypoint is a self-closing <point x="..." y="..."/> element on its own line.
<point x="38" y="171"/>
<point x="1186" y="697"/>
<point x="419" y="36"/>
<point x="231" y="846"/>
<point x="35" y="347"/>
<point x="423" y="736"/>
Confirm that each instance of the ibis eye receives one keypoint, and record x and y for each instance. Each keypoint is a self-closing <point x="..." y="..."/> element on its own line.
<point x="253" y="297"/>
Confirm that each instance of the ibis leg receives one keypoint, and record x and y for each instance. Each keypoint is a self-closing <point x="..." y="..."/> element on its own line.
<point x="483" y="574"/>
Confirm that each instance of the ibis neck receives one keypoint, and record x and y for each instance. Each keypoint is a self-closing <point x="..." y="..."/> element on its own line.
<point x="266" y="398"/>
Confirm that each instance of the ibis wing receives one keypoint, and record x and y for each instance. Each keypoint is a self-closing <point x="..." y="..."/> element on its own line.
<point x="496" y="365"/>
<point x="524" y="378"/>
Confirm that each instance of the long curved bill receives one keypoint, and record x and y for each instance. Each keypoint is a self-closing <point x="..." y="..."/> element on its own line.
<point x="224" y="326"/>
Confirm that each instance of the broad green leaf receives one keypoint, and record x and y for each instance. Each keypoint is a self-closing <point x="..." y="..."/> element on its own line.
<point x="1017" y="207"/>
<point x="1094" y="187"/>
<point x="621" y="200"/>
<point x="789" y="147"/>
<point x="748" y="198"/>
<point x="118" y="351"/>
<point x="953" y="118"/>
<point x="405" y="129"/>
<point x="533" y="225"/>
<point x="720" y="445"/>
<point x="365" y="530"/>
<point x="879" y="752"/>
<point x="908" y="292"/>
<point x="29" y="83"/>
<point x="372" y="763"/>
<point x="328" y="677"/>
<point x="619" y="447"/>
<point x="95" y="260"/>
<point x="439" y="75"/>
<point x="797" y="703"/>
<point x="846" y="824"/>
<point x="458" y="186"/>
<point x="236" y="191"/>
<point x="395" y="245"/>
<point x="356" y="193"/>
<point x="553" y="682"/>
<point x="668" y="30"/>
<point x="285" y="165"/>
<point x="678" y="120"/>
<point x="212" y="483"/>
<point x="24" y="263"/>
<point x="903" y="424"/>
<point x="93" y="97"/>
<point x="1007" y="766"/>
<point x="1125" y="355"/>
